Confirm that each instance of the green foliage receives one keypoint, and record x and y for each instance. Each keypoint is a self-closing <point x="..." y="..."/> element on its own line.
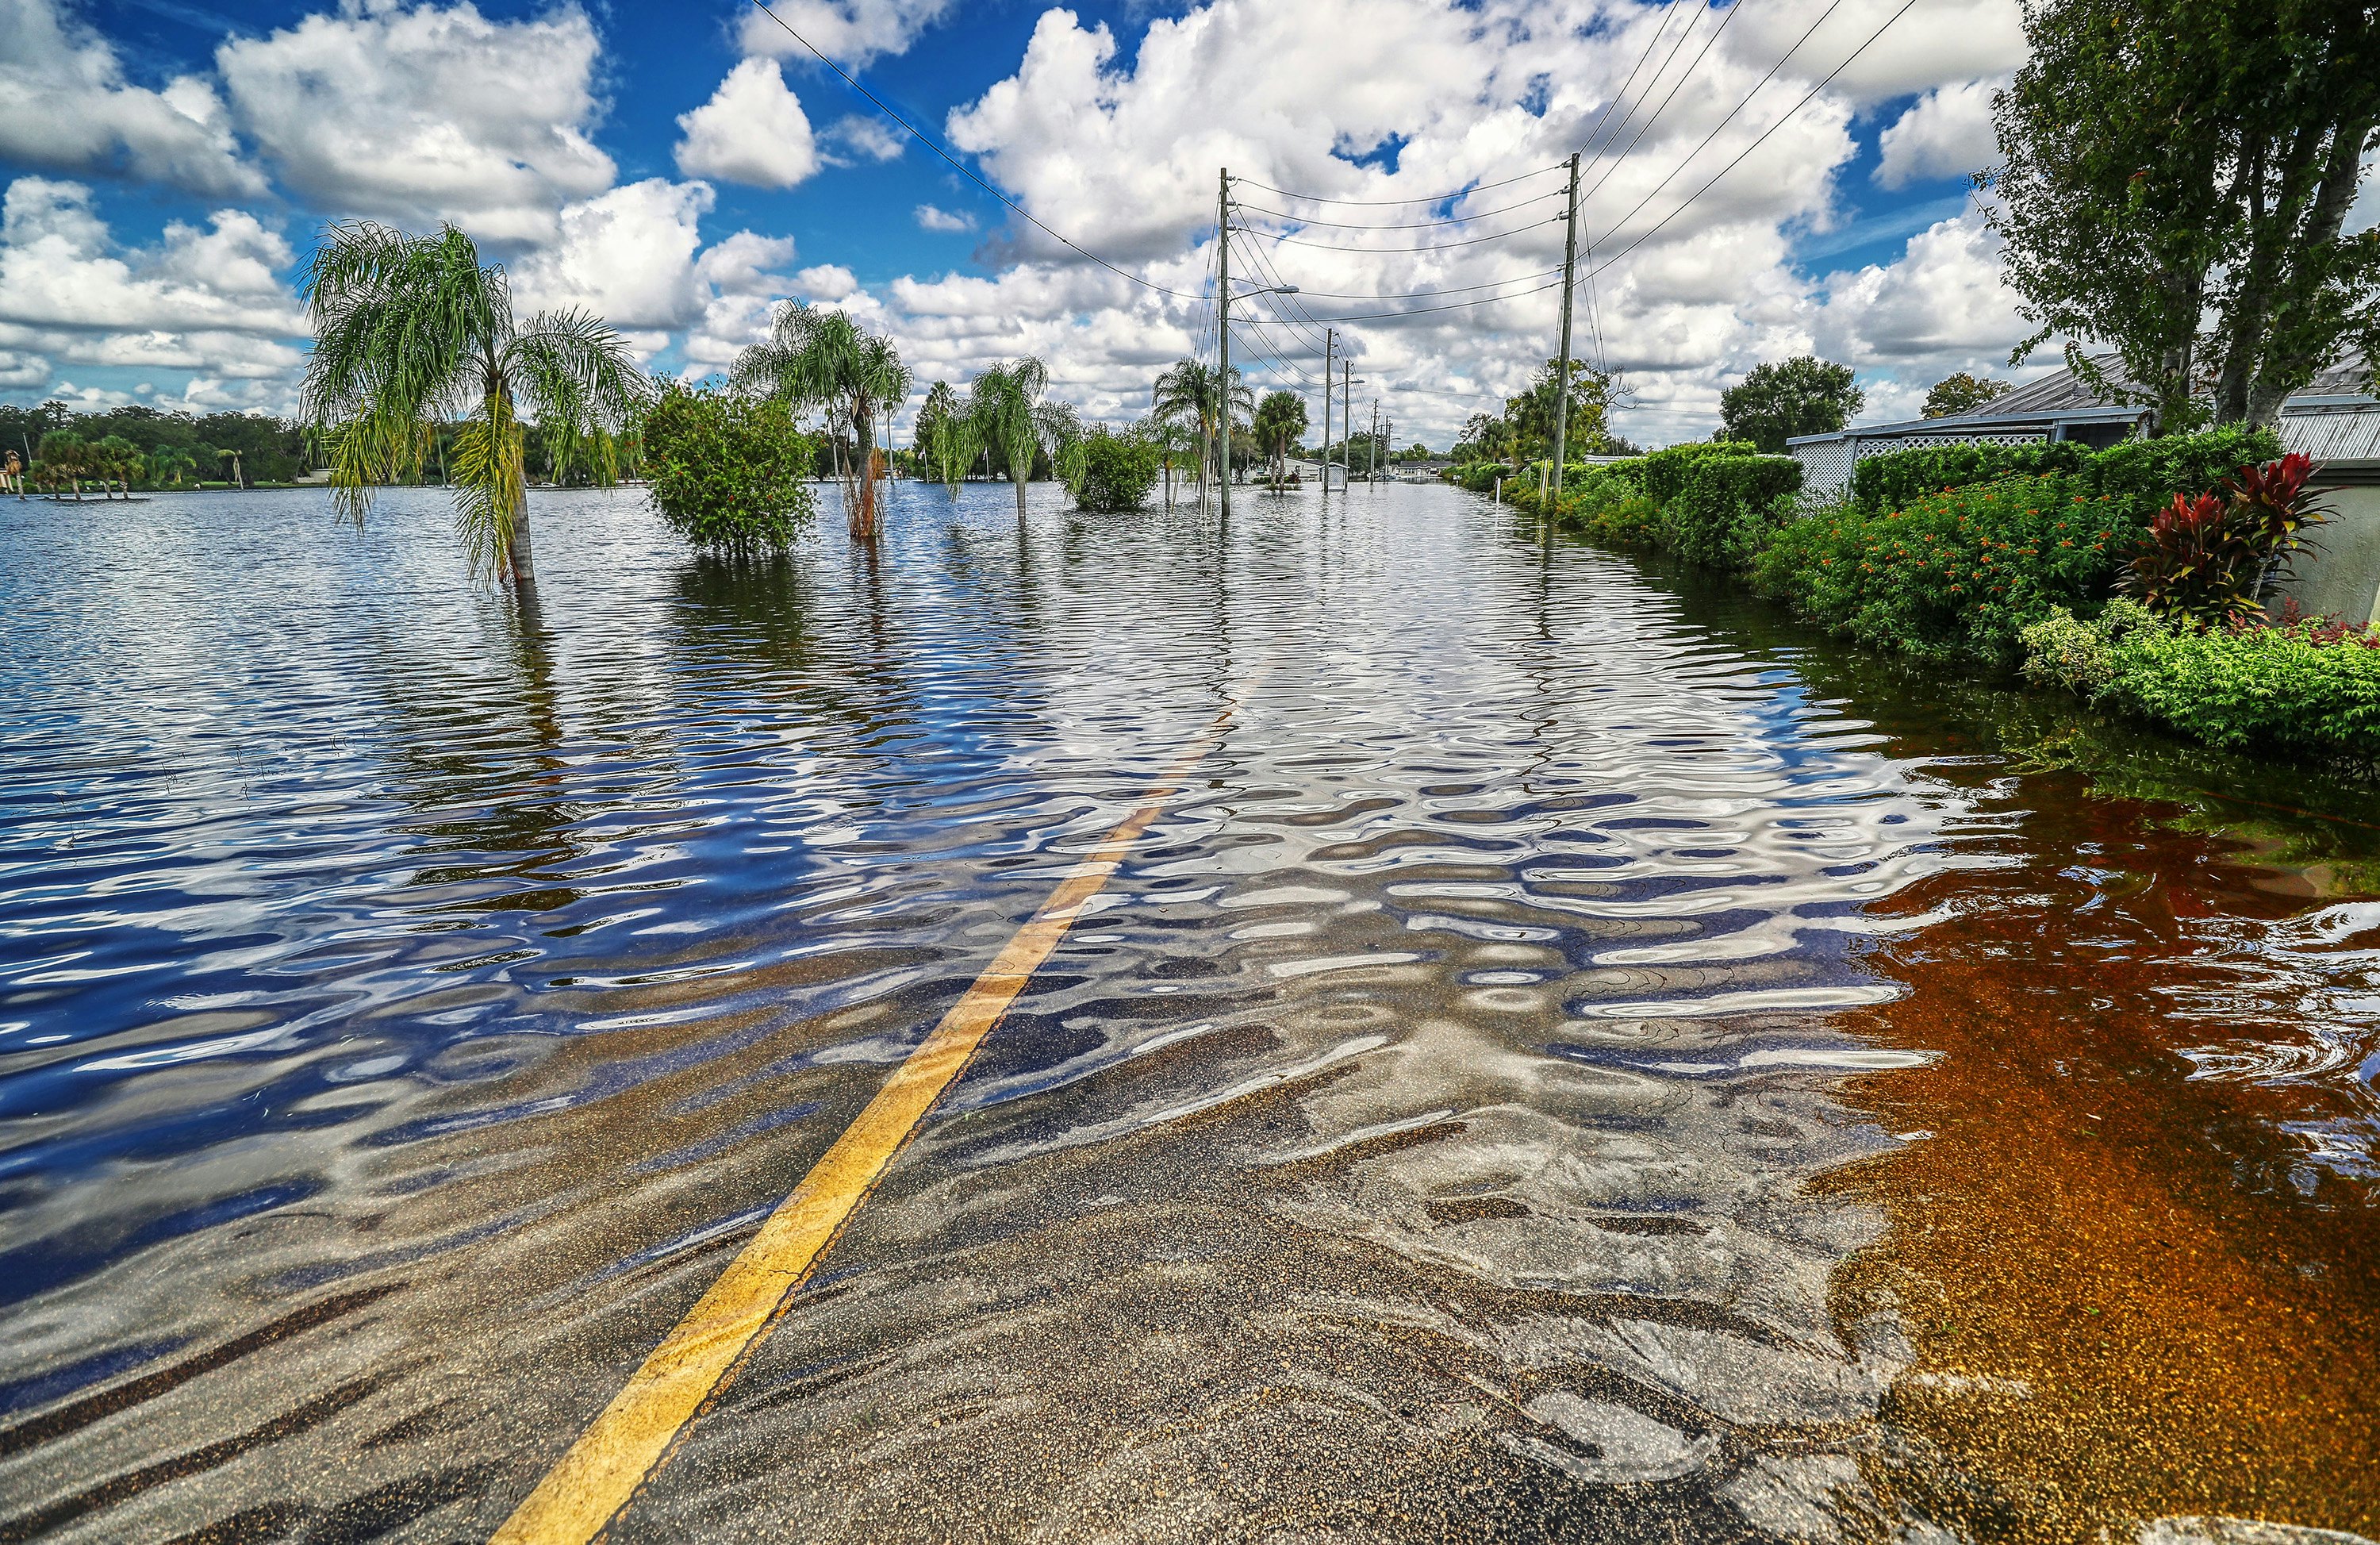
<point x="2299" y="686"/>
<point x="1728" y="506"/>
<point x="1898" y="479"/>
<point x="728" y="470"/>
<point x="2140" y="472"/>
<point x="1785" y="397"/>
<point x="1662" y="475"/>
<point x="1630" y="520"/>
<point x="1118" y="470"/>
<point x="1961" y="393"/>
<point x="1957" y="575"/>
<point x="2163" y="162"/>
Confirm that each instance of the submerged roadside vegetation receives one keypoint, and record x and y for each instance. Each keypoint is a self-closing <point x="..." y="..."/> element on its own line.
<point x="2141" y="578"/>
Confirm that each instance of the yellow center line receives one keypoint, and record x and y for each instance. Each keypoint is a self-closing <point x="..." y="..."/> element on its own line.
<point x="578" y="1498"/>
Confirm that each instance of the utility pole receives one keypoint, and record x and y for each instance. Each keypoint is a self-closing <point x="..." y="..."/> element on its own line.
<point x="1223" y="323"/>
<point x="1327" y="339"/>
<point x="1561" y="390"/>
<point x="1372" y="451"/>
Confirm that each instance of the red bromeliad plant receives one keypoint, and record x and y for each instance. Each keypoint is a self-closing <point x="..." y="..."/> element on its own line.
<point x="2208" y="560"/>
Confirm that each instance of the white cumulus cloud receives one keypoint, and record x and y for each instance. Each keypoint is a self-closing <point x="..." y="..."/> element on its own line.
<point x="64" y="106"/>
<point x="866" y="137"/>
<point x="1946" y="133"/>
<point x="752" y="130"/>
<point x="932" y="219"/>
<point x="420" y="114"/>
<point x="851" y="31"/>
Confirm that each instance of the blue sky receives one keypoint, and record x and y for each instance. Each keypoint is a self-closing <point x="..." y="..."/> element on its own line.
<point x="685" y="168"/>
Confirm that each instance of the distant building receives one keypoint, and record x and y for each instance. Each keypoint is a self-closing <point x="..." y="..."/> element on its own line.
<point x="2335" y="421"/>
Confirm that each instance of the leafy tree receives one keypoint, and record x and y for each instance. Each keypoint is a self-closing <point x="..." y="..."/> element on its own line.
<point x="1782" y="398"/>
<point x="408" y="329"/>
<point x="823" y="360"/>
<point x="1118" y="470"/>
<point x="1278" y="424"/>
<point x="1005" y="406"/>
<point x="1954" y="395"/>
<point x="2165" y="160"/>
<point x="1593" y="395"/>
<point x="728" y="471"/>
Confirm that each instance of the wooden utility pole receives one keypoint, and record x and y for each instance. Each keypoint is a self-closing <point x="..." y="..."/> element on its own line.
<point x="1372" y="451"/>
<point x="1327" y="339"/>
<point x="1223" y="324"/>
<point x="1561" y="390"/>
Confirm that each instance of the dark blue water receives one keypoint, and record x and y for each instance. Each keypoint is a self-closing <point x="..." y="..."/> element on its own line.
<point x="1465" y="1113"/>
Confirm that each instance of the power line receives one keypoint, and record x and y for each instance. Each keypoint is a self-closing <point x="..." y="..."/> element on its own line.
<point x="1732" y="13"/>
<point x="1783" y="120"/>
<point x="1429" y="293"/>
<point x="1408" y="225"/>
<point x="1424" y="311"/>
<point x="1605" y="112"/>
<point x="1334" y="247"/>
<point x="968" y="171"/>
<point x="1379" y="204"/>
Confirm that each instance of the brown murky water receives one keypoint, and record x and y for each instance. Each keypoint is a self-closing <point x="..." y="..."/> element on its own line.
<point x="1589" y="1061"/>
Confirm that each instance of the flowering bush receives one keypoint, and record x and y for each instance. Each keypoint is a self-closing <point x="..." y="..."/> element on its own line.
<point x="1957" y="575"/>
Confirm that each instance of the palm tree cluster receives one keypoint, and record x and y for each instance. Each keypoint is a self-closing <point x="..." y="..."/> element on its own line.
<point x="823" y="361"/>
<point x="66" y="461"/>
<point x="1193" y="396"/>
<point x="414" y="332"/>
<point x="1006" y="409"/>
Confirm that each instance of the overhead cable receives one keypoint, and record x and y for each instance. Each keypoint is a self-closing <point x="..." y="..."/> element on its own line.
<point x="1424" y="310"/>
<point x="1646" y="127"/>
<point x="1431" y="247"/>
<point x="1433" y="199"/>
<point x="1786" y="117"/>
<point x="1408" y="225"/>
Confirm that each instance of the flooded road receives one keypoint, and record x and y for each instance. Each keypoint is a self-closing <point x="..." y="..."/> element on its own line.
<point x="1580" y="1058"/>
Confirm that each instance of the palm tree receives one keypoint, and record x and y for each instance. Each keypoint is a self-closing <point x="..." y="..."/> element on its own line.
<point x="170" y="464"/>
<point x="411" y="332"/>
<point x="1280" y="420"/>
<point x="64" y="460"/>
<point x="1005" y="406"/>
<point x="947" y="434"/>
<point x="1191" y="392"/>
<point x="823" y="360"/>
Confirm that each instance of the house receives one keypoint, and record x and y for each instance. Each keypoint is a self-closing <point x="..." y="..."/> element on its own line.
<point x="2335" y="421"/>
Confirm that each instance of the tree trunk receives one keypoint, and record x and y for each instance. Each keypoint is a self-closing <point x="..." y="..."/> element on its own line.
<point x="524" y="564"/>
<point x="1020" y="490"/>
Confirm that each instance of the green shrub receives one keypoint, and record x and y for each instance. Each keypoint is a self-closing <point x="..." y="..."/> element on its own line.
<point x="1898" y="479"/>
<point x="1957" y="575"/>
<point x="2303" y="687"/>
<point x="2146" y="474"/>
<point x="1635" y="520"/>
<point x="1661" y="476"/>
<point x="728" y="471"/>
<point x="1118" y="470"/>
<point x="2143" y="471"/>
<point x="1727" y="507"/>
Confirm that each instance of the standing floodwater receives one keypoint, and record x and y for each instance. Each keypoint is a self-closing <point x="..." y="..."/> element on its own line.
<point x="1582" y="1059"/>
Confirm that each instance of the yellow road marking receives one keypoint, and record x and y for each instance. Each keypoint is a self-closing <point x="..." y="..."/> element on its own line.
<point x="578" y="1498"/>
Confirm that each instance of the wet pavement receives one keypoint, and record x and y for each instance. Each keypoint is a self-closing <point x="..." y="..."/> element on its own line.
<point x="1584" y="1059"/>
